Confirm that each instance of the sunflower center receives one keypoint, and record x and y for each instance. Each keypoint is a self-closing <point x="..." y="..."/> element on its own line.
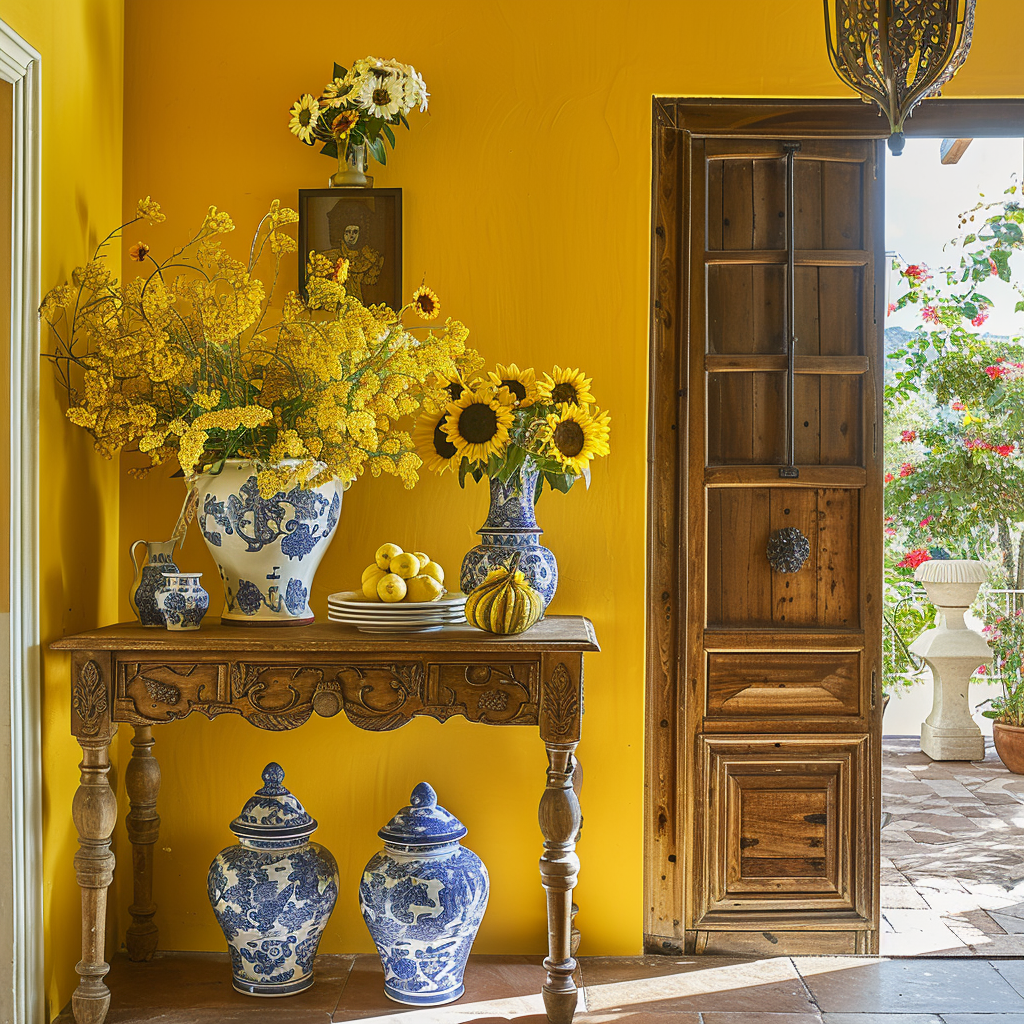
<point x="305" y="116"/>
<point x="478" y="424"/>
<point x="442" y="445"/>
<point x="517" y="387"/>
<point x="569" y="439"/>
<point x="425" y="303"/>
<point x="565" y="393"/>
<point x="454" y="389"/>
<point x="381" y="97"/>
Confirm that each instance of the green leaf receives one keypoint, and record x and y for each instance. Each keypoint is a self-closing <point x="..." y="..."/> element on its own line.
<point x="330" y="148"/>
<point x="376" y="147"/>
<point x="339" y="71"/>
<point x="388" y="134"/>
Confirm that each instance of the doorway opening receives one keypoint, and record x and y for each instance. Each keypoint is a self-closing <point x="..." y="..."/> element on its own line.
<point x="952" y="836"/>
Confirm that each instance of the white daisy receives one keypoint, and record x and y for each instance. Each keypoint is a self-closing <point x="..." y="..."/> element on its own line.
<point x="380" y="97"/>
<point x="304" y="113"/>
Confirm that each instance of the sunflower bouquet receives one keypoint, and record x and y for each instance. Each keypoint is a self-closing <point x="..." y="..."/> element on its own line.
<point x="496" y="426"/>
<point x="192" y="362"/>
<point x="359" y="105"/>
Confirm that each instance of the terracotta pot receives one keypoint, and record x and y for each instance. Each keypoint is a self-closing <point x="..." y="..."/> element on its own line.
<point x="1010" y="746"/>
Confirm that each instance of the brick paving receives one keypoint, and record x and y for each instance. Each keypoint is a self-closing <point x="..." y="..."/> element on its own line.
<point x="952" y="854"/>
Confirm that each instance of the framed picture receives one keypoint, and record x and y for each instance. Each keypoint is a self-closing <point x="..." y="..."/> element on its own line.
<point x="363" y="225"/>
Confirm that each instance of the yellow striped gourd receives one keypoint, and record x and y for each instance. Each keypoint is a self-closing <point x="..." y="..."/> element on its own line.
<point x="504" y="603"/>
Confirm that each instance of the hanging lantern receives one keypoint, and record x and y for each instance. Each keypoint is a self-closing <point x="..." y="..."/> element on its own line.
<point x="898" y="52"/>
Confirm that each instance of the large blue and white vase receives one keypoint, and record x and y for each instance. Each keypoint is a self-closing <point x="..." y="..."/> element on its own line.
<point x="273" y="892"/>
<point x="511" y="526"/>
<point x="267" y="549"/>
<point x="423" y="898"/>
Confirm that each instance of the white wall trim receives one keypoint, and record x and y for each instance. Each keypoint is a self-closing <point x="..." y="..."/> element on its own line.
<point x="19" y="65"/>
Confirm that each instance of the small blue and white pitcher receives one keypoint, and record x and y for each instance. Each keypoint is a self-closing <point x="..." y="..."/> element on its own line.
<point x="149" y="579"/>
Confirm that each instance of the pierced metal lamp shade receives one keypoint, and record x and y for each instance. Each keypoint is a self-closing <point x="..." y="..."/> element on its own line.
<point x="898" y="52"/>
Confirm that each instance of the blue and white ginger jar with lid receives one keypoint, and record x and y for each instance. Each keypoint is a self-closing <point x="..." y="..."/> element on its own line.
<point x="423" y="898"/>
<point x="273" y="892"/>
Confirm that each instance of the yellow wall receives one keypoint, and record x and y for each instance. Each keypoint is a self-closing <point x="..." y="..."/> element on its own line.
<point x="81" y="44"/>
<point x="526" y="205"/>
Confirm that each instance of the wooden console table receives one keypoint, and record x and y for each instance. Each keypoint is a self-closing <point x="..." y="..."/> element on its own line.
<point x="277" y="679"/>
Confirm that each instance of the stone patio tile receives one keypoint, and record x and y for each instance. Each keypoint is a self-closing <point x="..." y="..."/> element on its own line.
<point x="939" y="943"/>
<point x="1013" y="910"/>
<point x="880" y="1018"/>
<point x="948" y="788"/>
<point x="932" y="838"/>
<point x="665" y="985"/>
<point x="980" y="1018"/>
<point x="903" y="897"/>
<point x="853" y="985"/>
<point x="949" y="901"/>
<point x="1012" y="971"/>
<point x="1000" y="945"/>
<point x="1008" y="923"/>
<point x="747" y="1017"/>
<point x="937" y="882"/>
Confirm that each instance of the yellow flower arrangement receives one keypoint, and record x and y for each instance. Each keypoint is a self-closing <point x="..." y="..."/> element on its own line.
<point x="494" y="427"/>
<point x="194" y="362"/>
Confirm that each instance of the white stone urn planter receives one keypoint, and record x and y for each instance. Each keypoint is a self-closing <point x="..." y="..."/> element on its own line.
<point x="953" y="652"/>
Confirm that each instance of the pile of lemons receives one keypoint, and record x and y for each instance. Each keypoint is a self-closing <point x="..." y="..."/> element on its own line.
<point x="397" y="575"/>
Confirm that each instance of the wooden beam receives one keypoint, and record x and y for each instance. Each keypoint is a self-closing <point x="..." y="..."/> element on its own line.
<point x="952" y="149"/>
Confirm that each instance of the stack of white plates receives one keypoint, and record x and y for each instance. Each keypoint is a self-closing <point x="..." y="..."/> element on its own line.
<point x="353" y="608"/>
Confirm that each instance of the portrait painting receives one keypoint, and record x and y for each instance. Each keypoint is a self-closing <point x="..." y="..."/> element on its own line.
<point x="362" y="225"/>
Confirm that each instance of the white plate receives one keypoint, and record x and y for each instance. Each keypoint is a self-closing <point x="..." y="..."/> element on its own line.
<point x="393" y="624"/>
<point x="396" y="615"/>
<point x="392" y="630"/>
<point x="358" y="598"/>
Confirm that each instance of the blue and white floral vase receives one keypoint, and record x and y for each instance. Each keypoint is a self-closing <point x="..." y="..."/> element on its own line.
<point x="511" y="526"/>
<point x="273" y="892"/>
<point x="267" y="549"/>
<point x="423" y="898"/>
<point x="182" y="600"/>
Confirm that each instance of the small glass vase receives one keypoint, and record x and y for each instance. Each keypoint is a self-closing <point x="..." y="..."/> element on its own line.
<point x="351" y="172"/>
<point x="512" y="526"/>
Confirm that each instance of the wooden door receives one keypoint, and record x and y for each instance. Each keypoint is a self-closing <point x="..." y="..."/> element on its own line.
<point x="764" y="789"/>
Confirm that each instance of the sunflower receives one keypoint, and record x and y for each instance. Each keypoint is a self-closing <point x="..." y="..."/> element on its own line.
<point x="305" y="112"/>
<point x="335" y="93"/>
<point x="477" y="424"/>
<point x="139" y="251"/>
<point x="521" y="383"/>
<point x="432" y="444"/>
<point x="426" y="303"/>
<point x="344" y="123"/>
<point x="574" y="435"/>
<point x="565" y="387"/>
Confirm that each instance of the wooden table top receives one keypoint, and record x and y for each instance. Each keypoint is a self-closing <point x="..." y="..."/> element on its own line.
<point x="552" y="633"/>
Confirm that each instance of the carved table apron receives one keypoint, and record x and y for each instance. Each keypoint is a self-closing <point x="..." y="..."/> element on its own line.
<point x="277" y="679"/>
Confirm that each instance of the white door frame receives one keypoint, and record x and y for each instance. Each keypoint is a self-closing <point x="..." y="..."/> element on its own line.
<point x="22" y="777"/>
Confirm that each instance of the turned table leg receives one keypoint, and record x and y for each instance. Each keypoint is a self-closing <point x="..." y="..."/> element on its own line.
<point x="94" y="811"/>
<point x="142" y="781"/>
<point x="560" y="823"/>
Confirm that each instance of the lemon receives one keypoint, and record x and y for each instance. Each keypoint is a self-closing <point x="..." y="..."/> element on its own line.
<point x="405" y="565"/>
<point x="424" y="588"/>
<point x="370" y="570"/>
<point x="434" y="570"/>
<point x="370" y="584"/>
<point x="424" y="559"/>
<point x="384" y="555"/>
<point x="391" y="588"/>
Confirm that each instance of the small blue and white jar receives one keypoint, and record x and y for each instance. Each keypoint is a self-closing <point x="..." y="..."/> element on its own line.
<point x="182" y="600"/>
<point x="423" y="898"/>
<point x="273" y="892"/>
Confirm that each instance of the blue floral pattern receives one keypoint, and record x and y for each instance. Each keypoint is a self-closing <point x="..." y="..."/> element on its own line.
<point x="182" y="601"/>
<point x="273" y="902"/>
<point x="266" y="549"/>
<point x="511" y="526"/>
<point x="423" y="909"/>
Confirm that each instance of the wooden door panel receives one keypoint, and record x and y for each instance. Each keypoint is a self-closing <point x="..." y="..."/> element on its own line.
<point x="782" y="825"/>
<point x="754" y="686"/>
<point x="743" y="592"/>
<point x="746" y="308"/>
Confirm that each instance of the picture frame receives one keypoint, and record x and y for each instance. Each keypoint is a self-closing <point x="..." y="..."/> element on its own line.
<point x="363" y="225"/>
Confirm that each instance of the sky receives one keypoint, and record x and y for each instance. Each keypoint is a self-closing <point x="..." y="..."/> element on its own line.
<point x="923" y="199"/>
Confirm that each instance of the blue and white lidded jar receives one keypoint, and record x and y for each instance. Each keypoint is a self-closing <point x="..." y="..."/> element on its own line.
<point x="423" y="898"/>
<point x="182" y="600"/>
<point x="273" y="892"/>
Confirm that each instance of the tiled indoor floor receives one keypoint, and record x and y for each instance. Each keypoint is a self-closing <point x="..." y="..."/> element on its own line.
<point x="952" y="854"/>
<point x="195" y="988"/>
